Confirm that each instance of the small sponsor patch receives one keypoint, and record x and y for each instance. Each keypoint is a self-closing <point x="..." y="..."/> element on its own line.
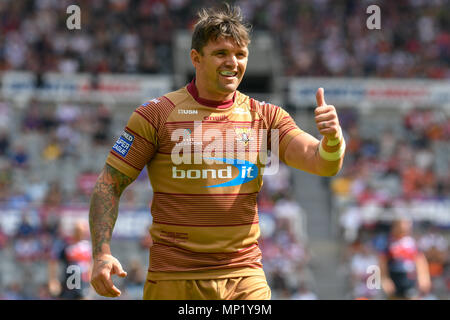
<point x="239" y="110"/>
<point x="149" y="103"/>
<point x="123" y="144"/>
<point x="187" y="111"/>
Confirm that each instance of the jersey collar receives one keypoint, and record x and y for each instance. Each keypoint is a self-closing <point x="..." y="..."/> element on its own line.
<point x="192" y="89"/>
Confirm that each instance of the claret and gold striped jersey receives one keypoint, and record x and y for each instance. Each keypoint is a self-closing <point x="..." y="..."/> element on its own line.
<point x="205" y="161"/>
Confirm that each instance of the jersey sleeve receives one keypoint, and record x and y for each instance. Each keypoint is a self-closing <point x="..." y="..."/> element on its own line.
<point x="137" y="143"/>
<point x="286" y="127"/>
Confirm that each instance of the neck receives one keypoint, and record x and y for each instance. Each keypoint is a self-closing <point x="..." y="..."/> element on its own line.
<point x="204" y="93"/>
<point x="219" y="103"/>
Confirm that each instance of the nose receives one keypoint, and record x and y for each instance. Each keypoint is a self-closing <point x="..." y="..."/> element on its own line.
<point x="231" y="62"/>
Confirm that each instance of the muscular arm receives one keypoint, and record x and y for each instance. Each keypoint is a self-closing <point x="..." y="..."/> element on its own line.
<point x="423" y="273"/>
<point x="386" y="282"/>
<point x="302" y="153"/>
<point x="104" y="207"/>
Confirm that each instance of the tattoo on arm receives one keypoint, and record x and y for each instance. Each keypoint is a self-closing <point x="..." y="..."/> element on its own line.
<point x="104" y="206"/>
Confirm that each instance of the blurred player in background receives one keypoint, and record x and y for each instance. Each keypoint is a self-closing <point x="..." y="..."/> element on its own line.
<point x="404" y="269"/>
<point x="205" y="225"/>
<point x="77" y="252"/>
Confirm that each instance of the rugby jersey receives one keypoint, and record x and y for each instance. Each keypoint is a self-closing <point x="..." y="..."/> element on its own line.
<point x="205" y="161"/>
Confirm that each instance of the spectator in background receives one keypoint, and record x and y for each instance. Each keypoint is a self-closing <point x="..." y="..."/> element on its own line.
<point x="32" y="121"/>
<point x="435" y="247"/>
<point x="36" y="189"/>
<point x="48" y="120"/>
<point x="25" y="228"/>
<point x="4" y="143"/>
<point x="13" y="291"/>
<point x="134" y="280"/>
<point x="3" y="238"/>
<point x="103" y="122"/>
<point x="350" y="222"/>
<point x="86" y="182"/>
<point x="25" y="245"/>
<point x="5" y="181"/>
<point x="304" y="293"/>
<point x="362" y="258"/>
<point x="54" y="196"/>
<point x="76" y="253"/>
<point x="404" y="269"/>
<point x="52" y="151"/>
<point x="43" y="292"/>
<point x="19" y="157"/>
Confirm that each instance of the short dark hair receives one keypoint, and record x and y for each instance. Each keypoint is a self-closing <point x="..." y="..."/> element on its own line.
<point x="216" y="22"/>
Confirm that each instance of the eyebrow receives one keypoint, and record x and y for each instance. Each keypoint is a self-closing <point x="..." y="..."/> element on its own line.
<point x="219" y="50"/>
<point x="226" y="50"/>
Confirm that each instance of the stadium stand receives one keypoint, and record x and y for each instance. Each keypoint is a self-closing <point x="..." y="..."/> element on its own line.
<point x="402" y="172"/>
<point x="134" y="36"/>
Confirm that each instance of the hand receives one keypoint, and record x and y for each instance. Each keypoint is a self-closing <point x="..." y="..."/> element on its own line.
<point x="388" y="287"/>
<point x="54" y="287"/>
<point x="326" y="117"/>
<point x="424" y="286"/>
<point x="106" y="265"/>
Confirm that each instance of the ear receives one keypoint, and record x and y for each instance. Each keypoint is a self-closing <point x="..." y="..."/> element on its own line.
<point x="195" y="57"/>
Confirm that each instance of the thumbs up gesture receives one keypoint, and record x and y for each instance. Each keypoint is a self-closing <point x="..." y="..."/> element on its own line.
<point x="326" y="117"/>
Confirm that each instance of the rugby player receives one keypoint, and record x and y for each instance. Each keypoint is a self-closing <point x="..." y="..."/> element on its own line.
<point x="202" y="145"/>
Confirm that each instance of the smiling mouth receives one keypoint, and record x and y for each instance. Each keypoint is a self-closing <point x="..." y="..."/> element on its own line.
<point x="228" y="73"/>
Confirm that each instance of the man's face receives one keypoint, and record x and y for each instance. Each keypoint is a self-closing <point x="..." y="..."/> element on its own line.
<point x="402" y="228"/>
<point x="219" y="68"/>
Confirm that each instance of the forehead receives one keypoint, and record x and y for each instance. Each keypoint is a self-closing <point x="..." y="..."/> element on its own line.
<point x="227" y="43"/>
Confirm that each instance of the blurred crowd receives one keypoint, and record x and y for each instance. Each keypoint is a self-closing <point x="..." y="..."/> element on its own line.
<point x="387" y="176"/>
<point x="284" y="240"/>
<point x="315" y="37"/>
<point x="42" y="138"/>
<point x="50" y="156"/>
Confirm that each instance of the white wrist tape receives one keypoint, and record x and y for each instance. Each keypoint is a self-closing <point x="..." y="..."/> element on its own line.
<point x="332" y="156"/>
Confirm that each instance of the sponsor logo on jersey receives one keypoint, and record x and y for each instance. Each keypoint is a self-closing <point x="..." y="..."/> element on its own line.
<point x="148" y="103"/>
<point x="123" y="144"/>
<point x="216" y="118"/>
<point x="239" y="110"/>
<point x="231" y="143"/>
<point x="187" y="111"/>
<point x="247" y="172"/>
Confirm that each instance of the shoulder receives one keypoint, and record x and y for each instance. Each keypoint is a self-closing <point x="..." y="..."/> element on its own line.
<point x="157" y="110"/>
<point x="271" y="112"/>
<point x="274" y="114"/>
<point x="254" y="105"/>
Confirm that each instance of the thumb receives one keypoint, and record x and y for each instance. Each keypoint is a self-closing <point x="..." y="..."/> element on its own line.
<point x="117" y="269"/>
<point x="320" y="97"/>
